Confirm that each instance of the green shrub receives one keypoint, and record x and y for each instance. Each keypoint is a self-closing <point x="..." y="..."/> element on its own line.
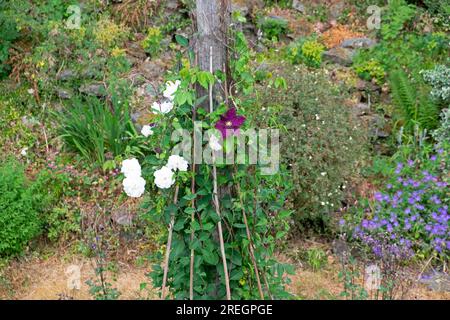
<point x="413" y="107"/>
<point x="91" y="128"/>
<point x="8" y="33"/>
<point x="394" y="20"/>
<point x="316" y="258"/>
<point x="278" y="3"/>
<point x="442" y="134"/>
<point x="439" y="79"/>
<point x="19" y="211"/>
<point x="411" y="210"/>
<point x="273" y="28"/>
<point x="320" y="142"/>
<point x="369" y="70"/>
<point x="307" y="51"/>
<point x="152" y="42"/>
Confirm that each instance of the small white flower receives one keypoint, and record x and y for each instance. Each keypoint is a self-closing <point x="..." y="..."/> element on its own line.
<point x="30" y="91"/>
<point x="146" y="131"/>
<point x="164" y="178"/>
<point x="171" y="89"/>
<point x="176" y="162"/>
<point x="134" y="186"/>
<point x="164" y="107"/>
<point x="317" y="117"/>
<point x="156" y="107"/>
<point x="131" y="168"/>
<point x="323" y="174"/>
<point x="23" y="152"/>
<point x="322" y="203"/>
<point x="214" y="143"/>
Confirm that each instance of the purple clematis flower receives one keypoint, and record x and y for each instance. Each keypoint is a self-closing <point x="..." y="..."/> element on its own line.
<point x="230" y="122"/>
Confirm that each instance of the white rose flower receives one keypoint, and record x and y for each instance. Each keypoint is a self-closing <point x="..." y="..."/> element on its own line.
<point x="164" y="178"/>
<point x="164" y="107"/>
<point x="134" y="186"/>
<point x="176" y="162"/>
<point x="171" y="89"/>
<point x="24" y="152"/>
<point x="131" y="168"/>
<point x="146" y="131"/>
<point x="214" y="143"/>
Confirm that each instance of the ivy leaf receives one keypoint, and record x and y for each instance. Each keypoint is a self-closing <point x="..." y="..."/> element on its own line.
<point x="236" y="274"/>
<point x="210" y="257"/>
<point x="178" y="225"/>
<point x="190" y="197"/>
<point x="181" y="40"/>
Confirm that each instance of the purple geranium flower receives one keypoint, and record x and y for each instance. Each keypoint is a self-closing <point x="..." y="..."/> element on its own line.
<point x="229" y="122"/>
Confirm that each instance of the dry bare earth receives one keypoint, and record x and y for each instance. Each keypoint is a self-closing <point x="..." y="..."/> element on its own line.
<point x="47" y="279"/>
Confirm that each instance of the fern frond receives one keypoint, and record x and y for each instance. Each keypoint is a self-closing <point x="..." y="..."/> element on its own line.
<point x="412" y="103"/>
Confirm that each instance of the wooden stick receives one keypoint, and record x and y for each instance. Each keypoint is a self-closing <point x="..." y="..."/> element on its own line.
<point x="169" y="245"/>
<point x="191" y="272"/>
<point x="247" y="229"/>
<point x="215" y="192"/>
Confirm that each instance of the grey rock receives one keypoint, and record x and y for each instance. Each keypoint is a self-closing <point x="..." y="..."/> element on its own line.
<point x="378" y="127"/>
<point x="340" y="248"/>
<point x="122" y="218"/>
<point x="135" y="116"/>
<point x="297" y="5"/>
<point x="362" y="109"/>
<point x="93" y="89"/>
<point x="336" y="10"/>
<point x="358" y="43"/>
<point x="362" y="85"/>
<point x="151" y="69"/>
<point x="241" y="8"/>
<point x="341" y="56"/>
<point x="65" y="75"/>
<point x="88" y="73"/>
<point x="437" y="281"/>
<point x="172" y="4"/>
<point x="63" y="93"/>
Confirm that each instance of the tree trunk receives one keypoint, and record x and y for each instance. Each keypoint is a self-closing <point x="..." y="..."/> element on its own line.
<point x="213" y="18"/>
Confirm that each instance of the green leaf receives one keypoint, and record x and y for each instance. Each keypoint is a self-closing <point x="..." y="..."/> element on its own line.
<point x="190" y="197"/>
<point x="236" y="274"/>
<point x="181" y="40"/>
<point x="210" y="257"/>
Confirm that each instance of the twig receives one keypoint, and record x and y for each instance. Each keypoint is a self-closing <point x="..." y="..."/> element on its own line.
<point x="215" y="193"/>
<point x="191" y="267"/>
<point x="247" y="229"/>
<point x="169" y="245"/>
<point x="424" y="268"/>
